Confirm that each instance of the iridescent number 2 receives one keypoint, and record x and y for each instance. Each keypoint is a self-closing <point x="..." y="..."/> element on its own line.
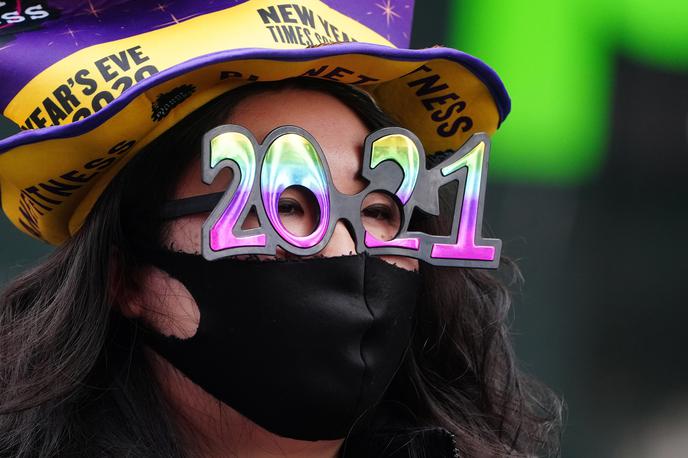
<point x="237" y="147"/>
<point x="402" y="150"/>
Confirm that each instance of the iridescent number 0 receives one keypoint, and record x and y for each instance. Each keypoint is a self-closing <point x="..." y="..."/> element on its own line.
<point x="291" y="160"/>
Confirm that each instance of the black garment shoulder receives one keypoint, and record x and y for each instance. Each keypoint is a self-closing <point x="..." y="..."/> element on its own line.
<point x="391" y="433"/>
<point x="412" y="443"/>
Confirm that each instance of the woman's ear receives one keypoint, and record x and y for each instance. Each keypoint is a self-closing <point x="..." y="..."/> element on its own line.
<point x="121" y="288"/>
<point x="148" y="294"/>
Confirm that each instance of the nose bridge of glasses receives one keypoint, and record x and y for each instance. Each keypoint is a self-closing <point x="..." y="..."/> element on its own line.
<point x="342" y="242"/>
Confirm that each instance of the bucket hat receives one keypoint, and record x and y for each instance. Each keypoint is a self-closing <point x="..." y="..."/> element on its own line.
<point x="89" y="84"/>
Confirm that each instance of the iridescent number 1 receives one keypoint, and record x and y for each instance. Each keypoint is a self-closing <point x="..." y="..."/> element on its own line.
<point x="465" y="247"/>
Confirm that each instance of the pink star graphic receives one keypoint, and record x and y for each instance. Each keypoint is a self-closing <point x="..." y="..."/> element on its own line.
<point x="72" y="33"/>
<point x="388" y="11"/>
<point x="162" y="7"/>
<point x="176" y="20"/>
<point x="92" y="10"/>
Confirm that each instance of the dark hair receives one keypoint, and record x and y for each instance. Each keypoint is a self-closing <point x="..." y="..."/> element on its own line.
<point x="74" y="380"/>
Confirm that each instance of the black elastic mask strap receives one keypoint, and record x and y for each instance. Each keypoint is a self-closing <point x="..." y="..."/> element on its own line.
<point x="190" y="205"/>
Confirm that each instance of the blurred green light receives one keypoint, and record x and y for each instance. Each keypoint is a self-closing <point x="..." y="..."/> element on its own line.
<point x="556" y="59"/>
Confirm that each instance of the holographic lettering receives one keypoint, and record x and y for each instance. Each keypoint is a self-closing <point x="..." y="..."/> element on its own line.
<point x="236" y="147"/>
<point x="291" y="160"/>
<point x="401" y="150"/>
<point x="465" y="247"/>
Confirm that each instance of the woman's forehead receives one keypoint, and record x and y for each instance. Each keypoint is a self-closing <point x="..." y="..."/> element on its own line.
<point x="339" y="131"/>
<point x="323" y="115"/>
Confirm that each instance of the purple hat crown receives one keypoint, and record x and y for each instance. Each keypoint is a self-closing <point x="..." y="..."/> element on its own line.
<point x="54" y="29"/>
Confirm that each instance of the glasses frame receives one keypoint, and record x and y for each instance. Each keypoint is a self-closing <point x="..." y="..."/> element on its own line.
<point x="467" y="166"/>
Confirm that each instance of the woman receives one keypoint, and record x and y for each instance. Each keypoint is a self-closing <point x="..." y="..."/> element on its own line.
<point x="94" y="389"/>
<point x="99" y="355"/>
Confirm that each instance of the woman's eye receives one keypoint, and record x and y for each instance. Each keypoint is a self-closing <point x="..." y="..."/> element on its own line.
<point x="378" y="212"/>
<point x="289" y="207"/>
<point x="381" y="215"/>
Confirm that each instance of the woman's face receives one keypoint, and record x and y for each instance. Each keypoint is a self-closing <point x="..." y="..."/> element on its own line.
<point x="339" y="132"/>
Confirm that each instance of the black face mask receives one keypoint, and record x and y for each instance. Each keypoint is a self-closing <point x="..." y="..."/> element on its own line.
<point x="302" y="348"/>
